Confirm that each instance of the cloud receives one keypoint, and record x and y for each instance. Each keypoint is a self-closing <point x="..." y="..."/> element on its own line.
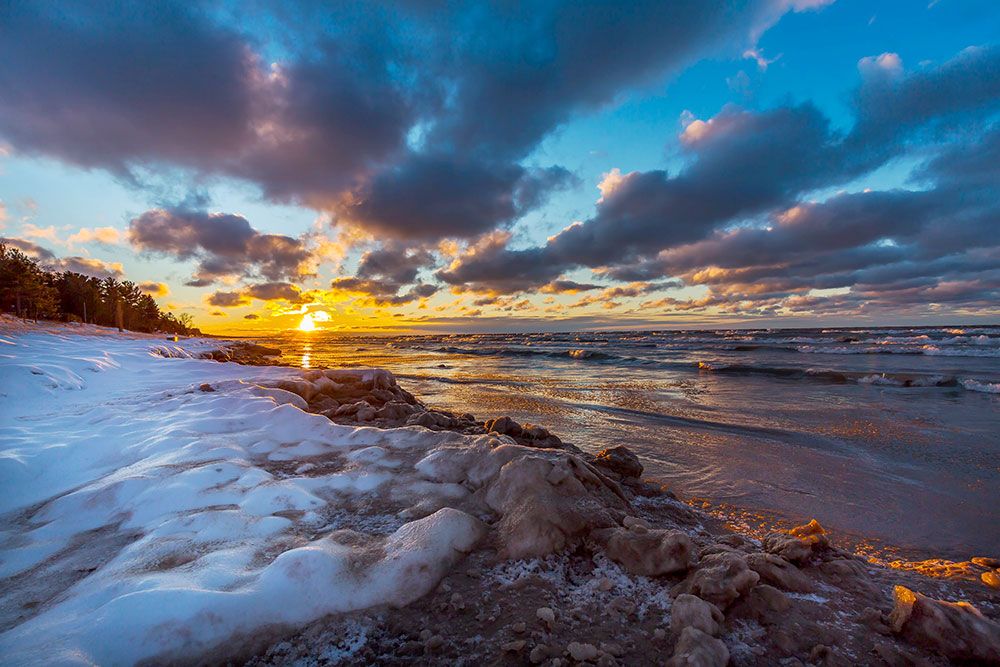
<point x="272" y="291"/>
<point x="88" y="266"/>
<point x="102" y="235"/>
<point x="45" y="233"/>
<point x="223" y="244"/>
<point x="567" y="287"/>
<point x="217" y="313"/>
<point x="251" y="316"/>
<point x="29" y="248"/>
<point x="227" y="299"/>
<point x="412" y="123"/>
<point x="155" y="289"/>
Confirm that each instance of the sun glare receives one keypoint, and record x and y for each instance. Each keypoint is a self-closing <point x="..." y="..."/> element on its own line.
<point x="307" y="323"/>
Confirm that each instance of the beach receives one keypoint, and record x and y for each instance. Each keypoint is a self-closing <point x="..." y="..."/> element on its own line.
<point x="164" y="504"/>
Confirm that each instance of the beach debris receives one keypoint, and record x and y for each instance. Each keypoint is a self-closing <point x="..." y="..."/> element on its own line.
<point x="619" y="459"/>
<point x="695" y="647"/>
<point x="546" y="615"/>
<point x="779" y="572"/>
<point x="721" y="578"/>
<point x="648" y="552"/>
<point x="799" y="544"/>
<point x="689" y="611"/>
<point x="956" y="630"/>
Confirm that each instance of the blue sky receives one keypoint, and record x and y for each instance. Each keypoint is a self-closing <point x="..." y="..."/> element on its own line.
<point x="521" y="119"/>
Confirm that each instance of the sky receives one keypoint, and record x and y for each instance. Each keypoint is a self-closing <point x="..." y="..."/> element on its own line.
<point x="448" y="166"/>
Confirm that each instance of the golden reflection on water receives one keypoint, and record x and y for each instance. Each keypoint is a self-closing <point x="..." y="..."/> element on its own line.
<point x="306" y="354"/>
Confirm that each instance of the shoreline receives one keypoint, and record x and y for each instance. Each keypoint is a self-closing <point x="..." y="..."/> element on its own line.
<point x="627" y="573"/>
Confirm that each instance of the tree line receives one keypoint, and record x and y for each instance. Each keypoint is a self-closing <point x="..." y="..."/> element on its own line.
<point x="30" y="291"/>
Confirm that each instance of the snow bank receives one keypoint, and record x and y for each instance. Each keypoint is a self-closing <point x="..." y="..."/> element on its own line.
<point x="145" y="519"/>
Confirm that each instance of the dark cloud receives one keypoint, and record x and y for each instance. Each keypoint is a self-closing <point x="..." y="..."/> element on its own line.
<point x="410" y="121"/>
<point x="251" y="316"/>
<point x="434" y="196"/>
<point x="567" y="287"/>
<point x="383" y="293"/>
<point x="87" y="266"/>
<point x="29" y="248"/>
<point x="223" y="244"/>
<point x="112" y="84"/>
<point x="227" y="299"/>
<point x="733" y="217"/>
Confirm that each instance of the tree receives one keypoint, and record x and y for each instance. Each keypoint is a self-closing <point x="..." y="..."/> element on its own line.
<point x="29" y="290"/>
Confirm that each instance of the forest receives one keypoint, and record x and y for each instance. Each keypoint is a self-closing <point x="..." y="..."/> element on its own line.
<point x="28" y="290"/>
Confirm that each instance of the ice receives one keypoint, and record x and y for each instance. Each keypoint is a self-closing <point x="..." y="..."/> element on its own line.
<point x="144" y="519"/>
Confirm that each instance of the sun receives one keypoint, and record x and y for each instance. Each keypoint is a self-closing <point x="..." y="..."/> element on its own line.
<point x="307" y="323"/>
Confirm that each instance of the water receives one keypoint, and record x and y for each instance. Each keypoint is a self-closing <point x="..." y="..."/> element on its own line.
<point x="891" y="437"/>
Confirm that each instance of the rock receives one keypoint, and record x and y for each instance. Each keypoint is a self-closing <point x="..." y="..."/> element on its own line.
<point x="984" y="561"/>
<point x="659" y="634"/>
<point x="548" y="501"/>
<point x="365" y="413"/>
<point x="519" y="628"/>
<point x="431" y="419"/>
<point x="434" y="643"/>
<point x="799" y="544"/>
<point x="534" y="432"/>
<point x="697" y="649"/>
<point x="515" y="646"/>
<point x="764" y="599"/>
<point x="612" y="649"/>
<point x="206" y="388"/>
<point x="631" y="521"/>
<point x="721" y="579"/>
<point x="504" y="426"/>
<point x="648" y="553"/>
<point x="395" y="410"/>
<point x="991" y="578"/>
<point x="688" y="611"/>
<point x="619" y="459"/>
<point x="348" y="409"/>
<point x="956" y="630"/>
<point x="546" y="615"/>
<point x="779" y="572"/>
<point x="582" y="652"/>
<point x="538" y="654"/>
<point x="851" y="575"/>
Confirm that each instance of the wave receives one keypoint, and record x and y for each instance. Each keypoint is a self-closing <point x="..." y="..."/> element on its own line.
<point x="886" y="379"/>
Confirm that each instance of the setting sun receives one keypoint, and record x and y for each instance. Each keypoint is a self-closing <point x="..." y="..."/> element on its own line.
<point x="307" y="323"/>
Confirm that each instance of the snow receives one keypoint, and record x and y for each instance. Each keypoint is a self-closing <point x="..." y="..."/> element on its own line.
<point x="145" y="520"/>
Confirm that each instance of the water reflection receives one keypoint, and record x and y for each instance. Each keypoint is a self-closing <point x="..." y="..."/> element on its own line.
<point x="306" y="353"/>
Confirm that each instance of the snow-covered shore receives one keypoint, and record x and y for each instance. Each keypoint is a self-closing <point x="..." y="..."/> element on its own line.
<point x="163" y="507"/>
<point x="147" y="518"/>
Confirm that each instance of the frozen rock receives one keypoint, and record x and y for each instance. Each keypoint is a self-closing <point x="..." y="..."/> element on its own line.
<point x="547" y="502"/>
<point x="991" y="578"/>
<point x="582" y="652"/>
<point x="799" y="544"/>
<point x="689" y="611"/>
<point x="698" y="649"/>
<point x="985" y="561"/>
<point x="621" y="460"/>
<point x="365" y="413"/>
<point x="956" y="630"/>
<point x="631" y="521"/>
<point x="721" y="578"/>
<point x="648" y="552"/>
<point x="779" y="572"/>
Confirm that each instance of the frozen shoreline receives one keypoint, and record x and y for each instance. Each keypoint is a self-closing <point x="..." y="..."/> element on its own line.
<point x="144" y="507"/>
